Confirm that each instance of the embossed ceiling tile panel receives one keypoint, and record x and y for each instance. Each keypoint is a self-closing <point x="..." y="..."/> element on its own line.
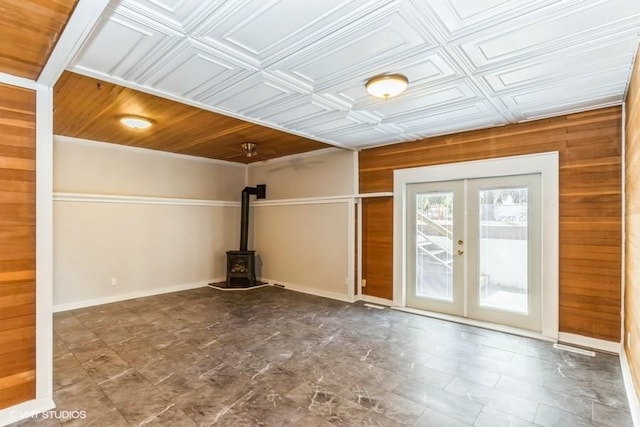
<point x="420" y="122"/>
<point x="574" y="105"/>
<point x="176" y="14"/>
<point x="460" y="17"/>
<point x="425" y="98"/>
<point x="379" y="132"/>
<point x="594" y="59"/>
<point x="564" y="29"/>
<point x="189" y="71"/>
<point x="378" y="41"/>
<point x="271" y="30"/>
<point x="301" y="66"/>
<point x="293" y="110"/>
<point x="428" y="69"/>
<point x="363" y="135"/>
<point x="576" y="90"/>
<point x="251" y="94"/>
<point x="325" y="122"/>
<point x="265" y="26"/>
<point x="30" y="30"/>
<point x="123" y="47"/>
<point x="455" y="126"/>
<point x="567" y="105"/>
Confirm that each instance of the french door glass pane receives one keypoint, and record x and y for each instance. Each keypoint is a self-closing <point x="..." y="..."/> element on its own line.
<point x="434" y="245"/>
<point x="503" y="282"/>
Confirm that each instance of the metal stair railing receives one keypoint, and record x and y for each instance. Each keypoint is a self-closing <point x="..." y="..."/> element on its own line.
<point x="443" y="231"/>
<point x="427" y="241"/>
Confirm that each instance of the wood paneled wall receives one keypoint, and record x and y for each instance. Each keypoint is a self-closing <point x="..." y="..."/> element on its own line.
<point x="589" y="144"/>
<point x="632" y="224"/>
<point x="17" y="245"/>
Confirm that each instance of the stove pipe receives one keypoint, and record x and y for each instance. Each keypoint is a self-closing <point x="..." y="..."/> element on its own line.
<point x="260" y="191"/>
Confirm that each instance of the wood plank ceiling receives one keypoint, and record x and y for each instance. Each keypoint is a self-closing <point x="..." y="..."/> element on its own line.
<point x="88" y="108"/>
<point x="30" y="30"/>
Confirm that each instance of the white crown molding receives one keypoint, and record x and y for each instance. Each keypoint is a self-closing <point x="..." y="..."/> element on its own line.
<point x="634" y="59"/>
<point x="306" y="154"/>
<point x="113" y="146"/>
<point x="140" y="200"/>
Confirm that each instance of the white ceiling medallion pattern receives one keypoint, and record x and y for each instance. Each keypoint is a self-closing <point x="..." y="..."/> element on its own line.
<point x="301" y="66"/>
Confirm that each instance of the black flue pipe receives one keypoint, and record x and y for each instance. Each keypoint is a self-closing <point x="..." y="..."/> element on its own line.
<point x="260" y="191"/>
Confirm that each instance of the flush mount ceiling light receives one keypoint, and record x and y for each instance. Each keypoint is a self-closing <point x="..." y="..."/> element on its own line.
<point x="387" y="86"/>
<point x="250" y="148"/>
<point x="135" y="122"/>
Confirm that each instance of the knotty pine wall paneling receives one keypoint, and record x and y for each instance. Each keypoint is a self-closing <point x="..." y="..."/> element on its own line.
<point x="632" y="227"/>
<point x="17" y="245"/>
<point x="589" y="146"/>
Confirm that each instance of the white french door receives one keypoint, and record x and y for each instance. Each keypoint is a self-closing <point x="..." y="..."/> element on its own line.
<point x="474" y="249"/>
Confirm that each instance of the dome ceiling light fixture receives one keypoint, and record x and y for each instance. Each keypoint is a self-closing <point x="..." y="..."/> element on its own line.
<point x="387" y="85"/>
<point x="250" y="148"/>
<point x="135" y="122"/>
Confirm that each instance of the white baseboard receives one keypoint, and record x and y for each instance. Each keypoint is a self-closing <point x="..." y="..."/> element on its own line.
<point x="25" y="410"/>
<point x="594" y="343"/>
<point x="632" y="395"/>
<point x="132" y="295"/>
<point x="375" y="300"/>
<point x="312" y="291"/>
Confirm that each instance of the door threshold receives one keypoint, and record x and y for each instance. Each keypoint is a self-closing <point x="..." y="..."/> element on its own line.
<point x="478" y="323"/>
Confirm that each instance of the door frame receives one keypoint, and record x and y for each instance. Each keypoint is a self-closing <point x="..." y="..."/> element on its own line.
<point x="546" y="164"/>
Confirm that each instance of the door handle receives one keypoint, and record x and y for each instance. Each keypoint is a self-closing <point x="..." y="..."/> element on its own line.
<point x="460" y="251"/>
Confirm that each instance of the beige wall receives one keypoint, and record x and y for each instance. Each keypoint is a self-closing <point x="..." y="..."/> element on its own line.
<point x="147" y="248"/>
<point x="82" y="166"/>
<point x="329" y="173"/>
<point x="305" y="246"/>
<point x="150" y="248"/>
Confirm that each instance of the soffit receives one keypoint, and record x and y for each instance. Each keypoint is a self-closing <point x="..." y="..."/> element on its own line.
<point x="88" y="108"/>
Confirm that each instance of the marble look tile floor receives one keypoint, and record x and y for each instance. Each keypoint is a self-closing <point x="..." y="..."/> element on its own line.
<point x="271" y="357"/>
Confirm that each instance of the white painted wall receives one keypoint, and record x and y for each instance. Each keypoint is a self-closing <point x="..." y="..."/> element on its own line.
<point x="146" y="247"/>
<point x="302" y="242"/>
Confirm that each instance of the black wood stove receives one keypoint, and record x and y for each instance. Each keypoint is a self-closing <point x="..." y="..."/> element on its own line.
<point x="241" y="265"/>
